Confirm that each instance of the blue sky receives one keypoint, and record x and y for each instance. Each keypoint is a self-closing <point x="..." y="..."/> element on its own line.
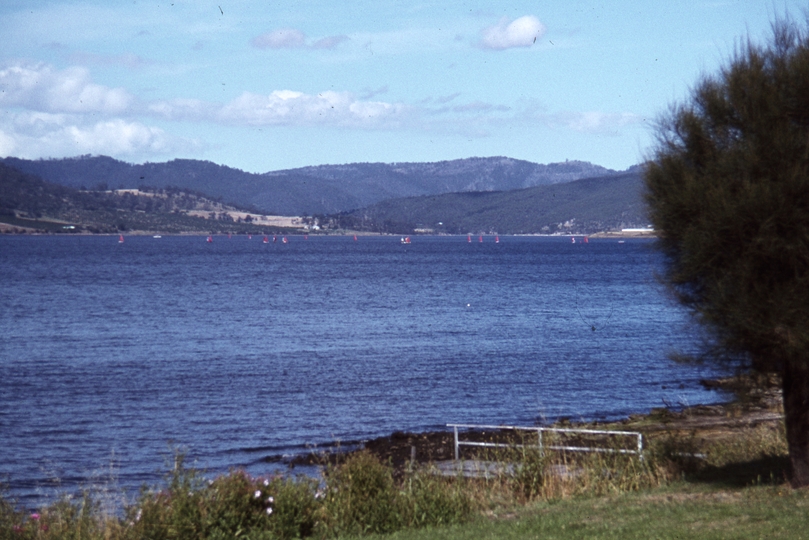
<point x="267" y="85"/>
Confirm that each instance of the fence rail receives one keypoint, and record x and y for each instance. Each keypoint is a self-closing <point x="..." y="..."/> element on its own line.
<point x="635" y="449"/>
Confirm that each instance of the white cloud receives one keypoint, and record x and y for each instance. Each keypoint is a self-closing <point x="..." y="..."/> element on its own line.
<point x="116" y="137"/>
<point x="8" y="145"/>
<point x="283" y="38"/>
<point x="597" y="122"/>
<point x="287" y="107"/>
<point x="182" y="109"/>
<point x="41" y="87"/>
<point x="34" y="135"/>
<point x="521" y="32"/>
<point x="292" y="38"/>
<point x="479" y="107"/>
<point x="329" y="42"/>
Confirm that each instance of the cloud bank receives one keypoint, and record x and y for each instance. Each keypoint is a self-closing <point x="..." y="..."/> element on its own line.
<point x="41" y="87"/>
<point x="53" y="112"/>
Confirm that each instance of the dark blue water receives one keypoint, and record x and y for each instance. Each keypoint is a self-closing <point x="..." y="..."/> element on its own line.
<point x="241" y="351"/>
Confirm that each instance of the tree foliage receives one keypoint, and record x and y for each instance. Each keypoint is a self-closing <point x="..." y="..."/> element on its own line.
<point x="728" y="191"/>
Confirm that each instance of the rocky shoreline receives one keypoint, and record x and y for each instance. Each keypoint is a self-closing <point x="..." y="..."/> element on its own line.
<point x="756" y="402"/>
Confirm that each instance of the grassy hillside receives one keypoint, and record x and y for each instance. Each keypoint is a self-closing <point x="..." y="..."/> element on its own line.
<point x="29" y="203"/>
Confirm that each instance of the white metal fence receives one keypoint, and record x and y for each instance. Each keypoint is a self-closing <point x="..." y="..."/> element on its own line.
<point x="636" y="449"/>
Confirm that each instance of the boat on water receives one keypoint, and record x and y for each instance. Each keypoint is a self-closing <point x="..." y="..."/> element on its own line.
<point x="405" y="240"/>
<point x="121" y="239"/>
<point x="210" y="239"/>
<point x="157" y="236"/>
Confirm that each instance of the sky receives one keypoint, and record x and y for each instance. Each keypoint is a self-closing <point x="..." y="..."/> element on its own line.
<point x="265" y="85"/>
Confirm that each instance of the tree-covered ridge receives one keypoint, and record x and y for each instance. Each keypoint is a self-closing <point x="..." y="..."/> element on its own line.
<point x="581" y="207"/>
<point x="28" y="202"/>
<point x="324" y="189"/>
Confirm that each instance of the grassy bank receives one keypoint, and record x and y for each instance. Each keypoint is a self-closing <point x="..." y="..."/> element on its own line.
<point x="681" y="510"/>
<point x="713" y="472"/>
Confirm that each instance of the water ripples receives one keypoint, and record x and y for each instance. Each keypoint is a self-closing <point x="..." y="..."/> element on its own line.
<point x="243" y="352"/>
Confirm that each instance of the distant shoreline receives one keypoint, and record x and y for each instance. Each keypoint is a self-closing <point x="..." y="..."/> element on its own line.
<point x="10" y="229"/>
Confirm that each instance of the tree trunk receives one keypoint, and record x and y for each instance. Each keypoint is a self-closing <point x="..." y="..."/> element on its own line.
<point x="796" y="419"/>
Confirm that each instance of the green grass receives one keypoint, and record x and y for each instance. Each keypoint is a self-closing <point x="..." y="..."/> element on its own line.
<point x="677" y="512"/>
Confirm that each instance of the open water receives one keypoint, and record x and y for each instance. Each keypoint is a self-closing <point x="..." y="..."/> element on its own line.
<point x="240" y="352"/>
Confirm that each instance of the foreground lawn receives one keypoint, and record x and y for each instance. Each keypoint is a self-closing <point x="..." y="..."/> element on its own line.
<point x="679" y="511"/>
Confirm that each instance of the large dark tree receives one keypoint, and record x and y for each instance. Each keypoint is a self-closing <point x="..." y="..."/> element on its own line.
<point x="728" y="192"/>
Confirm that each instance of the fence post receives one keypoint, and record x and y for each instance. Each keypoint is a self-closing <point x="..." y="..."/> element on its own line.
<point x="640" y="446"/>
<point x="541" y="451"/>
<point x="455" y="428"/>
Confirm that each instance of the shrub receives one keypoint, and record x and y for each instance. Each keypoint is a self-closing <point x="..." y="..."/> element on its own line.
<point x="295" y="507"/>
<point x="429" y="500"/>
<point x="360" y="497"/>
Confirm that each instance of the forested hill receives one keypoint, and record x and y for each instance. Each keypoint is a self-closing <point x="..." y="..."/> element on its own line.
<point x="580" y="207"/>
<point x="325" y="189"/>
<point x="28" y="203"/>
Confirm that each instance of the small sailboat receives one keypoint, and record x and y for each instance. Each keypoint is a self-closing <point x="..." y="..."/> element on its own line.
<point x="405" y="240"/>
<point x="306" y="237"/>
<point x="266" y="240"/>
<point x="210" y="239"/>
<point x="480" y="238"/>
<point x="121" y="239"/>
<point x="274" y="239"/>
<point x="496" y="239"/>
<point x="469" y="238"/>
<point x="284" y="240"/>
<point x="572" y="239"/>
<point x="249" y="236"/>
<point x="355" y="237"/>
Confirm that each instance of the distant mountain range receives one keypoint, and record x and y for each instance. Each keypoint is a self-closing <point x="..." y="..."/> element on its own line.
<point x="325" y="189"/>
<point x="475" y="195"/>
